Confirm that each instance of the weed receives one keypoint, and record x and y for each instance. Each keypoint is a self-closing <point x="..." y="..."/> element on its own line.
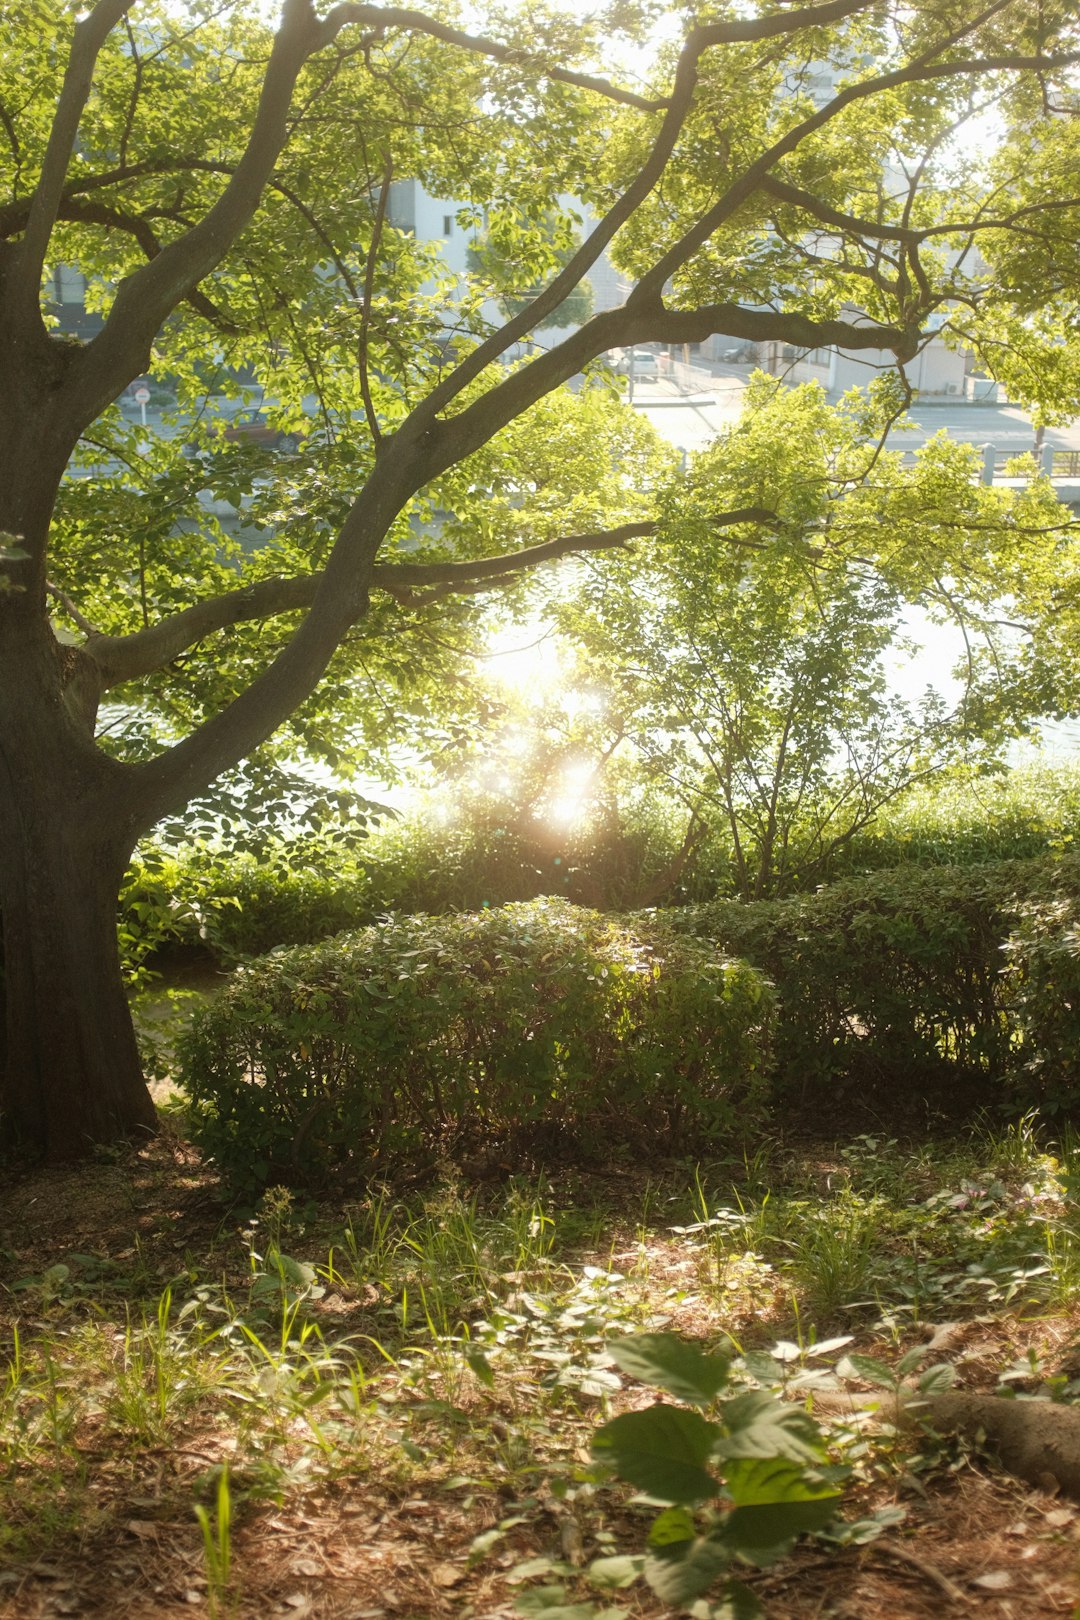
<point x="217" y="1546"/>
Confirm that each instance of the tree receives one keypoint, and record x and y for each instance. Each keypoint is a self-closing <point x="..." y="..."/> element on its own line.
<point x="229" y="193"/>
<point x="515" y="261"/>
<point x="749" y="667"/>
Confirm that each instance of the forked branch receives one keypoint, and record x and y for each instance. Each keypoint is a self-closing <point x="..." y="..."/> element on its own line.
<point x="126" y="658"/>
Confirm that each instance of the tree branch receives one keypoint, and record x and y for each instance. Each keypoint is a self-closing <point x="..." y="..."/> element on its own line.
<point x="383" y="17"/>
<point x="365" y="308"/>
<point x="126" y="658"/>
<point x="921" y="71"/>
<point x="139" y="227"/>
<point x="641" y="322"/>
<point x="146" y="298"/>
<point x="89" y="37"/>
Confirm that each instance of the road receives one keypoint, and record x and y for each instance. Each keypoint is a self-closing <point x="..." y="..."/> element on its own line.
<point x="691" y="423"/>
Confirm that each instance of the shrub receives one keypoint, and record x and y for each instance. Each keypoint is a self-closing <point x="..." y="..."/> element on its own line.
<point x="1043" y="965"/>
<point x="918" y="985"/>
<point x="422" y="1034"/>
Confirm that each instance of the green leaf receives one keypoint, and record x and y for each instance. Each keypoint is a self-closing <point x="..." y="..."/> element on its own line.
<point x="549" y="1602"/>
<point x="661" y="1451"/>
<point x="737" y="1603"/>
<point x="621" y="1570"/>
<point x="674" y="1524"/>
<point x="671" y="1363"/>
<point x="936" y="1380"/>
<point x="775" y="1504"/>
<point x="909" y="1361"/>
<point x="765" y="1368"/>
<point x="871" y="1371"/>
<point x="480" y="1366"/>
<point x="685" y="1570"/>
<point x="760" y="1425"/>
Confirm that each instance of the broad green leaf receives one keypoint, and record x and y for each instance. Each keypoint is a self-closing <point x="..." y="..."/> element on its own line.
<point x="749" y="1481"/>
<point x="869" y="1369"/>
<point x="480" y="1366"/>
<point x="661" y="1451"/>
<point x="910" y="1360"/>
<point x="685" y="1570"/>
<point x="674" y="1524"/>
<point x="297" y="1273"/>
<point x="621" y="1570"/>
<point x="760" y="1425"/>
<point x="549" y="1603"/>
<point x="768" y="1531"/>
<point x="765" y="1368"/>
<point x="671" y="1363"/>
<point x="775" y="1503"/>
<point x="936" y="1380"/>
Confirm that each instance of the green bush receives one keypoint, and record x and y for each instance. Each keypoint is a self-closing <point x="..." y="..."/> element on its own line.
<point x="1031" y="810"/>
<point x="209" y="901"/>
<point x="918" y="985"/>
<point x="1043" y="968"/>
<point x="532" y="1022"/>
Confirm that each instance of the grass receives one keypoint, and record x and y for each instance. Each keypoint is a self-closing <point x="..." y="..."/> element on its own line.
<point x="199" y="1374"/>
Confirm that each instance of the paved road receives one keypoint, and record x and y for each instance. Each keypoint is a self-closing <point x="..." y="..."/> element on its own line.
<point x="691" y="422"/>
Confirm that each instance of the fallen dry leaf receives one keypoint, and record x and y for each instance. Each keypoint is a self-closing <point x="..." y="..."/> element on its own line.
<point x="997" y="1580"/>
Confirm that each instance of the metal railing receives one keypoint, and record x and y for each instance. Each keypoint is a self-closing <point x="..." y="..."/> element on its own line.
<point x="1063" y="465"/>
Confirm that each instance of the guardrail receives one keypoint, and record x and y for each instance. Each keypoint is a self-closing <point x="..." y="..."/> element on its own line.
<point x="1059" y="464"/>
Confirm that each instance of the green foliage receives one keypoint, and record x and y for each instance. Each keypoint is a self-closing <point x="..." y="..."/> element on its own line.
<point x="744" y="659"/>
<point x="915" y="987"/>
<point x="1032" y="809"/>
<point x="763" y="1460"/>
<point x="421" y="1033"/>
<point x="1043" y="966"/>
<point x="514" y="258"/>
<point x="497" y="847"/>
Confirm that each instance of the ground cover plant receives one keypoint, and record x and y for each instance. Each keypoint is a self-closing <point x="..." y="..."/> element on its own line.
<point x="409" y="1404"/>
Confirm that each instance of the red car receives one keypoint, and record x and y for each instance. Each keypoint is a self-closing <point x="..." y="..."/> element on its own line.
<point x="253" y="427"/>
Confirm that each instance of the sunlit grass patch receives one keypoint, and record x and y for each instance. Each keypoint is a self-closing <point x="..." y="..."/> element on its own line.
<point x="452" y="1345"/>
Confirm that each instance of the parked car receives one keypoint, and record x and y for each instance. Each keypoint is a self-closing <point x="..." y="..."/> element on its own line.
<point x="642" y="364"/>
<point x="254" y="427"/>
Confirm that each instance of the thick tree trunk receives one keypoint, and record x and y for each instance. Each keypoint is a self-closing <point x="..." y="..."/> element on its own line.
<point x="72" y="1075"/>
<point x="71" y="1072"/>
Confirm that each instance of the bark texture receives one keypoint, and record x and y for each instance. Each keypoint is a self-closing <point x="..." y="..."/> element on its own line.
<point x="71" y="1073"/>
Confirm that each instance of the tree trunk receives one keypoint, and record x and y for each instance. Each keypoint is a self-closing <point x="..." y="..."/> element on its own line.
<point x="72" y="1075"/>
<point x="71" y="1072"/>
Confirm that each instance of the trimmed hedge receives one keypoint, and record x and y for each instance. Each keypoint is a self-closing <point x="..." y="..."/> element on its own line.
<point x="919" y="985"/>
<point x="421" y="1034"/>
<point x="1043" y="968"/>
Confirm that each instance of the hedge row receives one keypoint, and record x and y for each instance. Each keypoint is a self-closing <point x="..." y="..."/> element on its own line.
<point x="938" y="986"/>
<point x="422" y="1033"/>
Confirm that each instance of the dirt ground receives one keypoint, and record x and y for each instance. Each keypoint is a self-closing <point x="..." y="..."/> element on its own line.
<point x="372" y="1547"/>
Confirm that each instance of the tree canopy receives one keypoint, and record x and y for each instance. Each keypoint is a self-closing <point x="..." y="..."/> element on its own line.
<point x="227" y="185"/>
<point x="750" y="665"/>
